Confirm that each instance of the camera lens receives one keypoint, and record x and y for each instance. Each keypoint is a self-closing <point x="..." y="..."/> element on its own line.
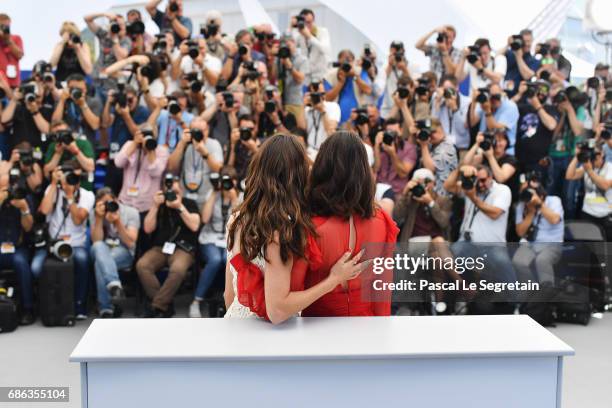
<point x="111" y="206"/>
<point x="197" y="135"/>
<point x="150" y="143"/>
<point x="174" y="108"/>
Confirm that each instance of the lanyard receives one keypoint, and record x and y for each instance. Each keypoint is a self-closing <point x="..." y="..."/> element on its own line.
<point x="196" y="165"/>
<point x="138" y="165"/>
<point x="316" y="125"/>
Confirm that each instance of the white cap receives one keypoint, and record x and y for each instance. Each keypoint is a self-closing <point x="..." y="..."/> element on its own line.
<point x="423" y="173"/>
<point x="214" y="15"/>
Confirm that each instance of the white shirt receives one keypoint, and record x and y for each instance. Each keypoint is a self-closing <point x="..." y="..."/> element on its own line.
<point x="76" y="235"/>
<point x="597" y="204"/>
<point x="315" y="125"/>
<point x="483" y="228"/>
<point x="317" y="50"/>
<point x="211" y="63"/>
<point x="481" y="81"/>
<point x="454" y="123"/>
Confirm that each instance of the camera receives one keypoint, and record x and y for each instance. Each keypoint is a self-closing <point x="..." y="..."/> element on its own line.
<point x="62" y="136"/>
<point x="197" y="135"/>
<point x="173" y="7"/>
<point x="517" y="42"/>
<point x="76" y="93"/>
<point x="441" y="37"/>
<point x="168" y="181"/>
<point x="362" y="116"/>
<point x="75" y="38"/>
<point x="120" y="97"/>
<point x="399" y="56"/>
<point x="135" y="28"/>
<point x="215" y="180"/>
<point x="111" y="206"/>
<point x="389" y="137"/>
<point x="227" y="183"/>
<point x="593" y="83"/>
<point x="422" y="87"/>
<point x="170" y="196"/>
<point x="483" y="95"/>
<point x="29" y="92"/>
<point x="283" y="50"/>
<point x="270" y="107"/>
<point x="245" y="133"/>
<point x="606" y="131"/>
<point x="418" y="191"/>
<point x="543" y="50"/>
<point x="560" y="97"/>
<point x="210" y="30"/>
<point x="6" y="29"/>
<point x="61" y="249"/>
<point x="25" y="157"/>
<point x="449" y="93"/>
<point x="228" y="99"/>
<point x="16" y="189"/>
<point x="316" y="98"/>
<point x="114" y="27"/>
<point x="587" y="151"/>
<point x="193" y="49"/>
<point x="532" y="90"/>
<point x="403" y="92"/>
<point x="194" y="83"/>
<point x="474" y="54"/>
<point x="344" y="66"/>
<point x="149" y="141"/>
<point x="488" y="142"/>
<point x="526" y="195"/>
<point x="160" y="43"/>
<point x="299" y="22"/>
<point x="467" y="183"/>
<point x="544" y="75"/>
<point x="39" y="234"/>
<point x="243" y="50"/>
<point x="424" y="127"/>
<point x="173" y="107"/>
<point x="70" y="176"/>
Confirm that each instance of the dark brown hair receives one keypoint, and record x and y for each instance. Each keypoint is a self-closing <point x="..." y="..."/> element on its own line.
<point x="274" y="201"/>
<point x="341" y="182"/>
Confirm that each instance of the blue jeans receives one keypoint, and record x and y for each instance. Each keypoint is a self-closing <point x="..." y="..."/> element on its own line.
<point x="567" y="190"/>
<point x="214" y="257"/>
<point x="80" y="257"/>
<point x="20" y="263"/>
<point x="107" y="262"/>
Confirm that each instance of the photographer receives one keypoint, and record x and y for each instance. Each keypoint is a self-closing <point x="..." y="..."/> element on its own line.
<point x="347" y="84"/>
<point x="539" y="222"/>
<point x="11" y="51"/>
<point x="492" y="146"/>
<point x="213" y="33"/>
<point x="451" y="108"/>
<point x="70" y="56"/>
<point x="521" y="65"/>
<point x="173" y="119"/>
<point x="313" y="42"/>
<point x="443" y="57"/>
<point x="171" y="19"/>
<point x="146" y="71"/>
<point x="114" y="46"/>
<point x="243" y="145"/>
<point x="67" y="206"/>
<point x="438" y="155"/>
<point x="239" y="52"/>
<point x="30" y="173"/>
<point x="196" y="156"/>
<point x="81" y="111"/>
<point x="64" y="147"/>
<point x="222" y="116"/>
<point x="270" y="117"/>
<point x="559" y="67"/>
<point x="396" y="68"/>
<point x="394" y="156"/>
<point x="537" y="121"/>
<point x="114" y="232"/>
<point x="290" y="69"/>
<point x="322" y="117"/>
<point x="173" y="222"/>
<point x="493" y="110"/>
<point x="143" y="161"/>
<point x="25" y="117"/>
<point x="16" y="220"/>
<point x="220" y="203"/>
<point x="483" y="68"/>
<point x="597" y="175"/>
<point x="195" y="59"/>
<point x="141" y="40"/>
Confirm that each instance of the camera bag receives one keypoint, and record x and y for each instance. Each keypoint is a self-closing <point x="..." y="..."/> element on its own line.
<point x="56" y="293"/>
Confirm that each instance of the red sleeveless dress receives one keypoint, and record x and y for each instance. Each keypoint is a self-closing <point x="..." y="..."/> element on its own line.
<point x="358" y="299"/>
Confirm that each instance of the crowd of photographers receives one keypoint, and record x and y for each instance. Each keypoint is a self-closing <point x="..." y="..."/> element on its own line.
<point x="136" y="158"/>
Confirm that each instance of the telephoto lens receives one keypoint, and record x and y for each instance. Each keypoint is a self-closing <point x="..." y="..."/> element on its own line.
<point x="197" y="135"/>
<point x="76" y="93"/>
<point x="111" y="206"/>
<point x="467" y="183"/>
<point x="150" y="143"/>
<point x="173" y="107"/>
<point x="168" y="181"/>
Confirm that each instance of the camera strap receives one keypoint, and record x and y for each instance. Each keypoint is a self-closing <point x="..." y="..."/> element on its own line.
<point x="475" y="211"/>
<point x="534" y="226"/>
<point x="316" y="124"/>
<point x="138" y="165"/>
<point x="65" y="212"/>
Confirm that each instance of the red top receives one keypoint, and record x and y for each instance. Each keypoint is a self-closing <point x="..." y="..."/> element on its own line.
<point x="376" y="235"/>
<point x="250" y="280"/>
<point x="7" y="58"/>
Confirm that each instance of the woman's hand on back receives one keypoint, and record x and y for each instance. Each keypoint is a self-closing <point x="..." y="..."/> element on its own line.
<point x="347" y="268"/>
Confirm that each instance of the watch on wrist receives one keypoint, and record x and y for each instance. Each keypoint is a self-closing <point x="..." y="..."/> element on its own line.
<point x="25" y="213"/>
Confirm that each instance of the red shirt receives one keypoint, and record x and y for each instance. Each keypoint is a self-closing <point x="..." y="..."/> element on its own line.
<point x="333" y="241"/>
<point x="8" y="59"/>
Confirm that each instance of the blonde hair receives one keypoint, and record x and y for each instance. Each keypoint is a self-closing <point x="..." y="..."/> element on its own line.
<point x="70" y="27"/>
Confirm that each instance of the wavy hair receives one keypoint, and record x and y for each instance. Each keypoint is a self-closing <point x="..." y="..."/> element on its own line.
<point x="274" y="201"/>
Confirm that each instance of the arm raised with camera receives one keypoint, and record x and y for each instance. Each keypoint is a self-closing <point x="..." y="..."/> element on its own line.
<point x="9" y="110"/>
<point x="575" y="124"/>
<point x="150" y="221"/>
<point x="333" y="94"/>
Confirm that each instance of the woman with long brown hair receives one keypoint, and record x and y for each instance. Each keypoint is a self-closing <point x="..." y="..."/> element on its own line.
<point x="270" y="239"/>
<point x="340" y="194"/>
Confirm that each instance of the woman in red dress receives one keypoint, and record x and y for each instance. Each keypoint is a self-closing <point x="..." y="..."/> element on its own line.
<point x="270" y="238"/>
<point x="341" y="197"/>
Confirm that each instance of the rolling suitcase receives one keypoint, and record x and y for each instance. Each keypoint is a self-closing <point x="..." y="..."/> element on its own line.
<point x="56" y="293"/>
<point x="8" y="312"/>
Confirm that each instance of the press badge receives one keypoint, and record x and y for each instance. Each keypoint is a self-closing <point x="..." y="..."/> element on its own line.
<point x="559" y="146"/>
<point x="169" y="248"/>
<point x="11" y="71"/>
<point x="114" y="149"/>
<point x="132" y="191"/>
<point x="112" y="242"/>
<point x="37" y="153"/>
<point x="192" y="196"/>
<point x="7" y="248"/>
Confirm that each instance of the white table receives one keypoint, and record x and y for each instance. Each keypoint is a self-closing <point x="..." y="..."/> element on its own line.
<point x="454" y="361"/>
